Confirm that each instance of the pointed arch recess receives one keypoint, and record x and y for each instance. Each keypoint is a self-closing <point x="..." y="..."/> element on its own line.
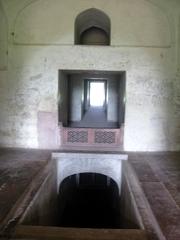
<point x="89" y="20"/>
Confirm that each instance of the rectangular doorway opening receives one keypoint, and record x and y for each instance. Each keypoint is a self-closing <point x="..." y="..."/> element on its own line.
<point x="92" y="107"/>
<point x="97" y="93"/>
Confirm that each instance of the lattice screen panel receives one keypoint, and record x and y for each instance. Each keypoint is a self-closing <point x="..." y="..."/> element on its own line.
<point x="91" y="137"/>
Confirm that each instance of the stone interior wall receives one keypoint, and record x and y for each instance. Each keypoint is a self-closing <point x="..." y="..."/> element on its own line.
<point x="113" y="89"/>
<point x="145" y="37"/>
<point x="122" y="97"/>
<point x="3" y="40"/>
<point x="107" y="164"/>
<point x="76" y="93"/>
<point x="43" y="207"/>
<point x="128" y="205"/>
<point x="63" y="100"/>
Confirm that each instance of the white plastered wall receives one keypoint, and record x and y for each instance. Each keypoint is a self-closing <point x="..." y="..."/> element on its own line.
<point x="143" y="43"/>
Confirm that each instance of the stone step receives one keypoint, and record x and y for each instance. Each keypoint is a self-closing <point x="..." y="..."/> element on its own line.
<point x="47" y="232"/>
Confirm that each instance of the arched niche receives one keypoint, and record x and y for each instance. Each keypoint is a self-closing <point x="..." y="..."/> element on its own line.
<point x="80" y="202"/>
<point x="3" y="40"/>
<point x="89" y="179"/>
<point x="92" y="27"/>
<point x="107" y="164"/>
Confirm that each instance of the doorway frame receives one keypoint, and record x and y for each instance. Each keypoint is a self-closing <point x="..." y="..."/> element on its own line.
<point x="87" y="83"/>
<point x="90" y="143"/>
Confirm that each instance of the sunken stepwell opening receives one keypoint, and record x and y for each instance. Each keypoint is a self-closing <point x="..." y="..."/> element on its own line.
<point x="84" y="200"/>
<point x="84" y="196"/>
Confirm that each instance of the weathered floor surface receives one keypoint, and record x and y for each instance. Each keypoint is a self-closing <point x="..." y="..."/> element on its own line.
<point x="159" y="175"/>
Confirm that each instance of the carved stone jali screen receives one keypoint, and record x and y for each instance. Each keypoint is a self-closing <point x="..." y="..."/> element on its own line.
<point x="91" y="137"/>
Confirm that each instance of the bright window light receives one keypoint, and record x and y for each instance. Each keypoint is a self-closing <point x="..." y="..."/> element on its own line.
<point x="97" y="94"/>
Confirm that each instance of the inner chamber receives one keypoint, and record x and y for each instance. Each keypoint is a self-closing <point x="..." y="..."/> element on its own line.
<point x="91" y="99"/>
<point x="89" y="200"/>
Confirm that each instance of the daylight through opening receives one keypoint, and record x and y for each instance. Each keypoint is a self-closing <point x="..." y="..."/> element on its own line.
<point x="97" y="94"/>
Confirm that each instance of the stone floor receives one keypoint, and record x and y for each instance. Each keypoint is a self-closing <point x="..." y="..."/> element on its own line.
<point x="95" y="117"/>
<point x="17" y="169"/>
<point x="158" y="173"/>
